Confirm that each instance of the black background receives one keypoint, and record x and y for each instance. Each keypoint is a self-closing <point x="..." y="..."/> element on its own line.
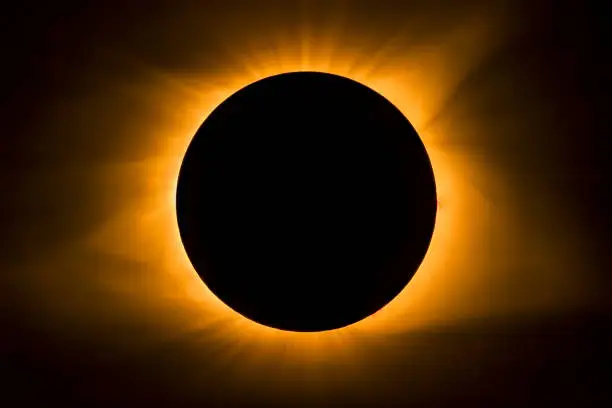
<point x="51" y="51"/>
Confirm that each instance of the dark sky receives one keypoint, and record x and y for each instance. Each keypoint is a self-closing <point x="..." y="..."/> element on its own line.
<point x="538" y="102"/>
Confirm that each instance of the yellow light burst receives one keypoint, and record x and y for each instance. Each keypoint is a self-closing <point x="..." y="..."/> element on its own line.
<point x="418" y="79"/>
<point x="415" y="83"/>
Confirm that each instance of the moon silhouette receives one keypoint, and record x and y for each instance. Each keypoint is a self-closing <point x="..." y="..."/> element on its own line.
<point x="306" y="201"/>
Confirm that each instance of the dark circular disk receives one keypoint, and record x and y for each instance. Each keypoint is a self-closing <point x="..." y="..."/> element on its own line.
<point x="306" y="201"/>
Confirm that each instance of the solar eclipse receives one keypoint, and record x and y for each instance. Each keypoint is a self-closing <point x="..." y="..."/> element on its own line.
<point x="306" y="201"/>
<point x="109" y="303"/>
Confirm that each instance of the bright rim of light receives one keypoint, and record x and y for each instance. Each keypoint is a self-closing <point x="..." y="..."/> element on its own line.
<point x="417" y="82"/>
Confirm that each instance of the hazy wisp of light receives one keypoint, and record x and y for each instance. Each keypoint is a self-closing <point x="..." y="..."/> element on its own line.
<point x="473" y="250"/>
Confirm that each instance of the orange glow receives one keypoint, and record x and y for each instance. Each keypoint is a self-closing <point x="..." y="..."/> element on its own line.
<point x="415" y="88"/>
<point x="450" y="283"/>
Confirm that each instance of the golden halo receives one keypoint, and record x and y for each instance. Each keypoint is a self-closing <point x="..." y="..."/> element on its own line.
<point x="158" y="286"/>
<point x="407" y="91"/>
